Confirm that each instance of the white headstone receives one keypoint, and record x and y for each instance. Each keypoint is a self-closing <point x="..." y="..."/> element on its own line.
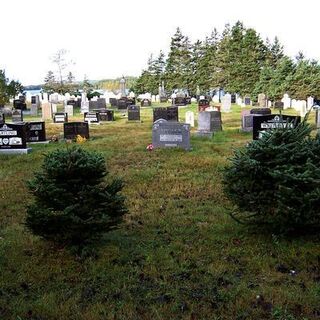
<point x="310" y="102"/>
<point x="190" y="118"/>
<point x="286" y="101"/>
<point x="226" y="103"/>
<point x="54" y="107"/>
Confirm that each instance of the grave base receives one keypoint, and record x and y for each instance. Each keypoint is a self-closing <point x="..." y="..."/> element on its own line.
<point x="15" y="151"/>
<point x="38" y="142"/>
<point x="204" y="134"/>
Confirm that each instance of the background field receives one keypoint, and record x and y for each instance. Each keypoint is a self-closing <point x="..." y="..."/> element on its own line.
<point x="177" y="255"/>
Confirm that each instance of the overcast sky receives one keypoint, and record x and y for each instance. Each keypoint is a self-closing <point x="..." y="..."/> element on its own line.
<point x="108" y="39"/>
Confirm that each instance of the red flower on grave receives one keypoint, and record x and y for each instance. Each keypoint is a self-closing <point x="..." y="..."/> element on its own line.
<point x="150" y="147"/>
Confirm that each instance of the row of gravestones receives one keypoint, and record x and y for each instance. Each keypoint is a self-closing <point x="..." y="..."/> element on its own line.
<point x="259" y="120"/>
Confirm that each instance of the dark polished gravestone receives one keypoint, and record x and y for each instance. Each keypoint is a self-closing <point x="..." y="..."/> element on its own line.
<point x="233" y="98"/>
<point x="263" y="111"/>
<point x="203" y="104"/>
<point x="105" y="114"/>
<point x="113" y="102"/>
<point x="72" y="103"/>
<point x="17" y="116"/>
<point x="36" y="131"/>
<point x="167" y="134"/>
<point x="93" y="105"/>
<point x="133" y="113"/>
<point x="179" y="101"/>
<point x="166" y="113"/>
<point x="92" y="117"/>
<point x="263" y="123"/>
<point x="247" y="101"/>
<point x="18" y="104"/>
<point x="101" y="103"/>
<point x="163" y="99"/>
<point x="60" y="117"/>
<point x="145" y="103"/>
<point x="124" y="102"/>
<point x="72" y="129"/>
<point x="279" y="104"/>
<point x="13" y="138"/>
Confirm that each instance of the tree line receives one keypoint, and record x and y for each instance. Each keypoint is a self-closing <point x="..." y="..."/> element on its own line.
<point x="8" y="89"/>
<point x="238" y="60"/>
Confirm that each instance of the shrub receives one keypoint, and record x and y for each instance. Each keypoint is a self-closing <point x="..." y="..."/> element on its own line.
<point x="275" y="181"/>
<point x="74" y="205"/>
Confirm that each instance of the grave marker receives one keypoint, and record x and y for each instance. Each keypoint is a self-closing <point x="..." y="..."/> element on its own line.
<point x="17" y="115"/>
<point x="36" y="131"/>
<point x="133" y="113"/>
<point x="13" y="138"/>
<point x="167" y="134"/>
<point x="72" y="129"/>
<point x="60" y="117"/>
<point x="92" y="117"/>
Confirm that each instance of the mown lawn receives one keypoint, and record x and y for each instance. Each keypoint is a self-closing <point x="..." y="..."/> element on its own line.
<point x="177" y="255"/>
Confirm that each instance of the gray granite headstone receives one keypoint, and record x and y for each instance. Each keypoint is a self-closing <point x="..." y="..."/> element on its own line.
<point x="167" y="134"/>
<point x="17" y="116"/>
<point x="209" y="122"/>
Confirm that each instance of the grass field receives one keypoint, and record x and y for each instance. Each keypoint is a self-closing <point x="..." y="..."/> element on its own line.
<point x="177" y="255"/>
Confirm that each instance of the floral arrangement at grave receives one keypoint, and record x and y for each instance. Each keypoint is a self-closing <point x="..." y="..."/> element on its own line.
<point x="274" y="182"/>
<point x="74" y="200"/>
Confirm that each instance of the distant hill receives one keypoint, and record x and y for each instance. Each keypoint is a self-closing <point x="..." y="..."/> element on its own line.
<point x="113" y="84"/>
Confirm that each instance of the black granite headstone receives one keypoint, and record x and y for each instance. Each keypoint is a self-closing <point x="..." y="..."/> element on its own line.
<point x="18" y="104"/>
<point x="233" y="98"/>
<point x="105" y="114"/>
<point x="36" y="131"/>
<point x="264" y="111"/>
<point x="279" y="104"/>
<point x="179" y="101"/>
<point x="133" y="113"/>
<point x="113" y="102"/>
<point x="72" y="129"/>
<point x="263" y="123"/>
<point x="13" y="136"/>
<point x="166" y="113"/>
<point x="92" y="117"/>
<point x="71" y="103"/>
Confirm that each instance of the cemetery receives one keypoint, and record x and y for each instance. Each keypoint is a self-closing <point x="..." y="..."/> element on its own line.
<point x="164" y="196"/>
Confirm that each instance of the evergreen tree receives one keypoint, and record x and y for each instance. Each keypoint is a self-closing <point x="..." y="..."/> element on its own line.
<point x="74" y="205"/>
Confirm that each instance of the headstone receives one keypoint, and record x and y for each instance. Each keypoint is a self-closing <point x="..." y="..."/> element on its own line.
<point x="60" y="117"/>
<point x="262" y="101"/>
<point x="286" y="101"/>
<point x="247" y="101"/>
<point x="13" y="138"/>
<point x="101" y="103"/>
<point x="36" y="131"/>
<point x="263" y="123"/>
<point x="54" y="108"/>
<point x="226" y="103"/>
<point x="17" y="115"/>
<point x="133" y="113"/>
<point x="46" y="111"/>
<point x="105" y="114"/>
<point x="190" y="118"/>
<point x="233" y="98"/>
<point x="68" y="109"/>
<point x="279" y="104"/>
<point x="145" y="103"/>
<point x="246" y="121"/>
<point x="163" y="99"/>
<point x="170" y="134"/>
<point x="203" y="104"/>
<point x="122" y="104"/>
<point x="166" y="113"/>
<point x="18" y="104"/>
<point x="317" y="115"/>
<point x="34" y="110"/>
<point x="263" y="111"/>
<point x="113" y="102"/>
<point x="310" y="102"/>
<point x="123" y="87"/>
<point x="72" y="129"/>
<point x="209" y="122"/>
<point x="179" y="101"/>
<point x="92" y="117"/>
<point x="93" y="104"/>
